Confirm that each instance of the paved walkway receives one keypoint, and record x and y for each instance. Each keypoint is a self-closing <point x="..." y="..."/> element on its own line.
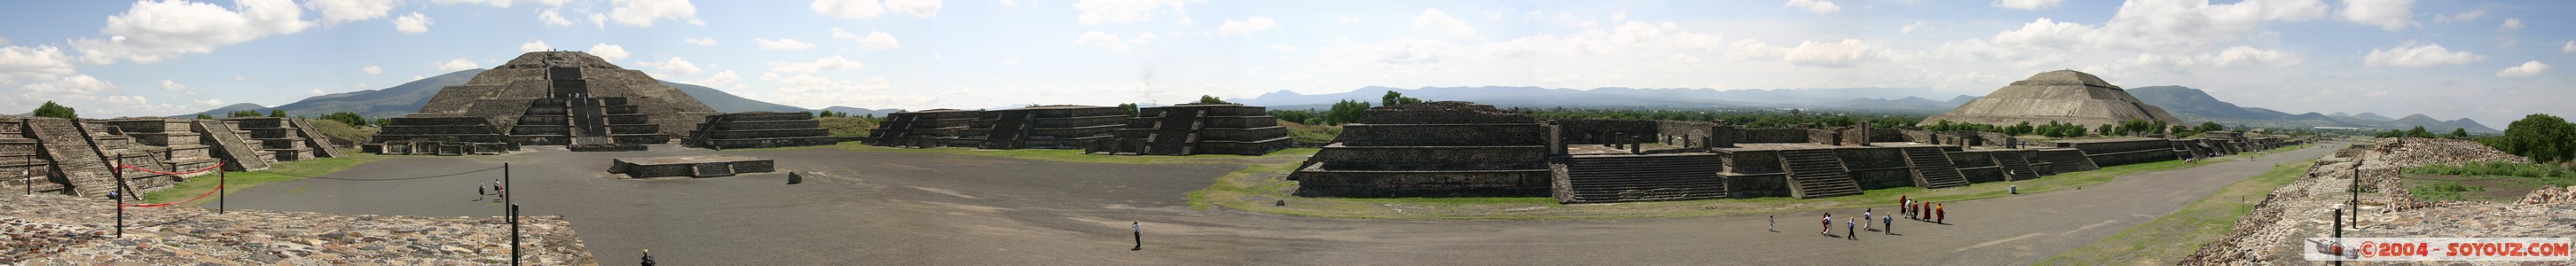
<point x="914" y="208"/>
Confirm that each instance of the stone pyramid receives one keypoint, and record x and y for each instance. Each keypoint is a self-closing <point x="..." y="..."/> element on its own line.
<point x="2065" y="96"/>
<point x="556" y="98"/>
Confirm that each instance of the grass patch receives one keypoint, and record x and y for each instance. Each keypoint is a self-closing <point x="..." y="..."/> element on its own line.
<point x="281" y="171"/>
<point x="2485" y="181"/>
<point x="2169" y="238"/>
<point x="1260" y="187"/>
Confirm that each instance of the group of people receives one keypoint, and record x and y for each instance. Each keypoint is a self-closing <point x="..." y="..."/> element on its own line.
<point x="1924" y="211"/>
<point x="1919" y="211"/>
<point x="491" y="189"/>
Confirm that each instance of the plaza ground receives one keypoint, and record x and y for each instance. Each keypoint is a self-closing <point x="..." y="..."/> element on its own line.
<point x="886" y="207"/>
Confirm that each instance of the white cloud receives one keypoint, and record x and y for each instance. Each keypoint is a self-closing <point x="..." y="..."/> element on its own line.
<point x="701" y="41"/>
<point x="1814" y="6"/>
<point x="1348" y="20"/>
<point x="876" y="40"/>
<point x="642" y="13"/>
<point x="609" y="52"/>
<point x="550" y="18"/>
<point x="719" y="80"/>
<point x="153" y="31"/>
<point x="1441" y="21"/>
<point x="1101" y="39"/>
<point x="1830" y="55"/>
<point x="835" y="62"/>
<point x="22" y="64"/>
<point x="599" y="20"/>
<point x="850" y="9"/>
<point x="782" y="44"/>
<point x="2509" y="33"/>
<point x="1245" y="27"/>
<point x="2570" y="48"/>
<point x="2391" y="15"/>
<point x="1185" y="21"/>
<point x="72" y="87"/>
<point x="2525" y="70"/>
<point x="415" y="23"/>
<point x="210" y="102"/>
<point x="317" y="92"/>
<point x="673" y="67"/>
<point x="916" y="8"/>
<point x="167" y="85"/>
<point x="1283" y="48"/>
<point x="1013" y="61"/>
<point x="359" y="85"/>
<point x="2231" y="57"/>
<point x="2164" y="26"/>
<point x="336" y="11"/>
<point x="498" y="3"/>
<point x="1011" y="3"/>
<point x="2462" y="16"/>
<point x="1095" y="12"/>
<point x="2418" y="54"/>
<point x="2028" y="4"/>
<point x="2510" y="25"/>
<point x="452" y="65"/>
<point x="1911" y="27"/>
<point x="1141" y="38"/>
<point x="534" y="46"/>
<point x="371" y="70"/>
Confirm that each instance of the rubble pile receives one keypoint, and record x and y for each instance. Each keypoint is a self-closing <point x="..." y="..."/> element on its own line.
<point x="2274" y="232"/>
<point x="64" y="230"/>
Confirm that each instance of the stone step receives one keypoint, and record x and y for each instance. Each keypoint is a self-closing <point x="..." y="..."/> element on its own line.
<point x="712" y="170"/>
<point x="1817" y="174"/>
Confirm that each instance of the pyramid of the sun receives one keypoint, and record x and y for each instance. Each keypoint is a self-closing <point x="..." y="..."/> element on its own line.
<point x="2065" y="96"/>
<point x="553" y="98"/>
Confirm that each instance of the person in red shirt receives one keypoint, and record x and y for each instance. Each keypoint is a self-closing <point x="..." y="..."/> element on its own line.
<point x="1828" y="225"/>
<point x="1940" y="216"/>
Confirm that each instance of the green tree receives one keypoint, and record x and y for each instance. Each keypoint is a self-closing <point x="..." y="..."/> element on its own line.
<point x="2418" y="132"/>
<point x="2210" y="126"/>
<point x="1839" y="121"/>
<point x="1346" y="111"/>
<point x="351" y="119"/>
<point x="204" y="116"/>
<point x="2541" y="137"/>
<point x="1213" y="100"/>
<point x="1131" y="109"/>
<point x="276" y="113"/>
<point x="2460" y="133"/>
<point x="49" y="109"/>
<point x="1393" y="98"/>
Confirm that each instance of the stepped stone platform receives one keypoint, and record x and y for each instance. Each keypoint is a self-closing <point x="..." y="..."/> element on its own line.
<point x="546" y="98"/>
<point x="76" y="157"/>
<point x="2063" y="96"/>
<point x="277" y="136"/>
<point x="921" y="129"/>
<point x="1435" y="149"/>
<point x="1624" y="178"/>
<point x="760" y="130"/>
<point x="232" y="145"/>
<point x="178" y="147"/>
<point x="2122" y="151"/>
<point x="1197" y="129"/>
<point x="690" y="166"/>
<point x="1040" y="127"/>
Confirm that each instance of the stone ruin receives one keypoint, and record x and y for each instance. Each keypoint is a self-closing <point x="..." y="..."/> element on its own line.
<point x="1463" y="149"/>
<point x="921" y="129"/>
<point x="544" y="98"/>
<point x="760" y="130"/>
<point x="1197" y="128"/>
<point x="75" y="157"/>
<point x="690" y="166"/>
<point x="1432" y="149"/>
<point x="1170" y="130"/>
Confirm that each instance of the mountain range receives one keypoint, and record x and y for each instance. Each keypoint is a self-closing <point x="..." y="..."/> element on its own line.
<point x="2191" y="104"/>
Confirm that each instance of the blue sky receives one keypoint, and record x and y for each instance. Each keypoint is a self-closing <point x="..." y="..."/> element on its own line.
<point x="2492" y="61"/>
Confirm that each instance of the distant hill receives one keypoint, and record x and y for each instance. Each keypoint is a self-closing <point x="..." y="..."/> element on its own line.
<point x="2195" y="105"/>
<point x="855" y="111"/>
<point x="410" y="96"/>
<point x="227" y="110"/>
<point x="1906" y="99"/>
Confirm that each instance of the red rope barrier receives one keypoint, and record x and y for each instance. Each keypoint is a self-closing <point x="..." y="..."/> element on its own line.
<point x="219" y="187"/>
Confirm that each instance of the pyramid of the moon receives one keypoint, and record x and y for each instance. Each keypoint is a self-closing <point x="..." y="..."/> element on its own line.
<point x="2065" y="96"/>
<point x="552" y="98"/>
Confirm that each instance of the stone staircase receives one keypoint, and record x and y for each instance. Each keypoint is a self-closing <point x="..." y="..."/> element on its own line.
<point x="322" y="145"/>
<point x="238" y="152"/>
<point x="1007" y="132"/>
<point x="1933" y="169"/>
<point x="2015" y="167"/>
<point x="712" y="170"/>
<point x="2062" y="161"/>
<point x="1173" y="134"/>
<point x="1623" y="178"/>
<point x="1817" y="174"/>
<point x="74" y="156"/>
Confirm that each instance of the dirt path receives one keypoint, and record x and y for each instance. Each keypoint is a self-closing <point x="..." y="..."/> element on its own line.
<point x="911" y="208"/>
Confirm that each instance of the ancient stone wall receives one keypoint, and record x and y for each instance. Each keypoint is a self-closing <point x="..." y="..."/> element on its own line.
<point x="2123" y="151"/>
<point x="1592" y="131"/>
<point x="1772" y="135"/>
<point x="760" y="130"/>
<point x="1435" y="149"/>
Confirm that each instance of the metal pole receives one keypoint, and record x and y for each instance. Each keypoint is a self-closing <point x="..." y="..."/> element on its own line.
<point x="513" y="213"/>
<point x="220" y="180"/>
<point x="115" y="169"/>
<point x="2338" y="236"/>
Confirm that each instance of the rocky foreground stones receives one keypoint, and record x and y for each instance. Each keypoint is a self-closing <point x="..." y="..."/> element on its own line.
<point x="2274" y="233"/>
<point x="63" y="230"/>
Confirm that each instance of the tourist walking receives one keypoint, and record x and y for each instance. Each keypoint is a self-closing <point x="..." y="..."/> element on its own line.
<point x="1940" y="216"/>
<point x="1828" y="225"/>
<point x="648" y="257"/>
<point x="1925" y="213"/>
<point x="1775" y="224"/>
<point x="1890" y="221"/>
<point x="1848" y="229"/>
<point x="1139" y="227"/>
<point x="481" y="190"/>
<point x="1864" y="218"/>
